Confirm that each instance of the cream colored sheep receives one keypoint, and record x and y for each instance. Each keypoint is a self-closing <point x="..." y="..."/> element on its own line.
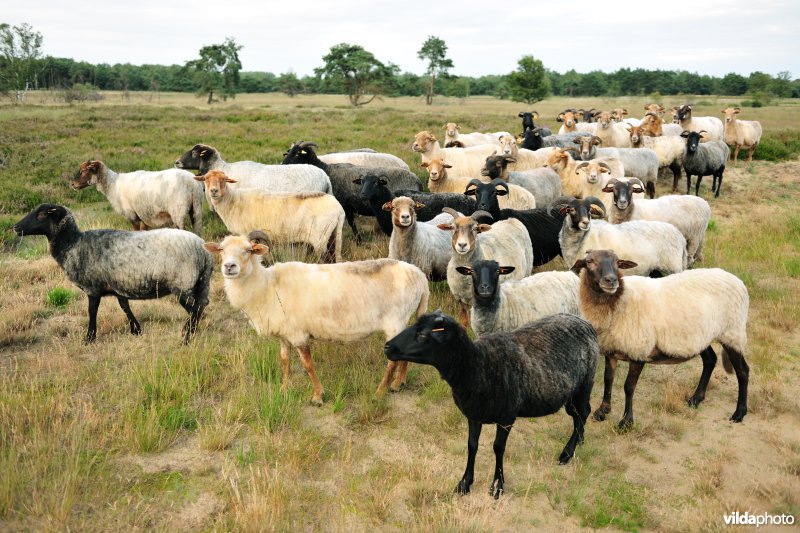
<point x="741" y="133"/>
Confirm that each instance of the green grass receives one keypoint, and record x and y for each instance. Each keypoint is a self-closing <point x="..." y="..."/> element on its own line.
<point x="59" y="297"/>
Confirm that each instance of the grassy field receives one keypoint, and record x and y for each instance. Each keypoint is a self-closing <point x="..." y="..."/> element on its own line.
<point x="145" y="433"/>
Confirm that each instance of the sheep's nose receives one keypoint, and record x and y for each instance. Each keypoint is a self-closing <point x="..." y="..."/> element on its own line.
<point x="609" y="280"/>
<point x="483" y="288"/>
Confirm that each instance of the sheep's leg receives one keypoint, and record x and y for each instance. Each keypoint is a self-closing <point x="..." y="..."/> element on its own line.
<point x="578" y="423"/>
<point x="743" y="377"/>
<point x="709" y="362"/>
<point x="750" y="151"/>
<point x="634" y="370"/>
<point x="136" y="328"/>
<point x="464" y="314"/>
<point x="676" y="175"/>
<point x="736" y="155"/>
<point x="608" y="384"/>
<point x="697" y="186"/>
<point x="387" y="377"/>
<point x="308" y="364"/>
<point x="400" y="380"/>
<point x="500" y="438"/>
<point x="688" y="183"/>
<point x="191" y="306"/>
<point x="350" y="216"/>
<point x="472" y="449"/>
<point x="137" y="224"/>
<point x="719" y="183"/>
<point x="94" y="304"/>
<point x="286" y="349"/>
<point x="651" y="189"/>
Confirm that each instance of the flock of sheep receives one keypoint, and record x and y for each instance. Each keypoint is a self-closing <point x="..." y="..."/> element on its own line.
<point x="496" y="207"/>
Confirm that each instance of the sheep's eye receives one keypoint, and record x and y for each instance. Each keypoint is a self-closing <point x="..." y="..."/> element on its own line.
<point x="590" y="261"/>
<point x="422" y="335"/>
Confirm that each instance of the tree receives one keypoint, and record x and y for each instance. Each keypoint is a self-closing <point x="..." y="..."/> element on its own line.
<point x="434" y="50"/>
<point x="20" y="50"/>
<point x="733" y="84"/>
<point x="356" y="70"/>
<point x="289" y="84"/>
<point x="217" y="69"/>
<point x="782" y="84"/>
<point x="529" y="83"/>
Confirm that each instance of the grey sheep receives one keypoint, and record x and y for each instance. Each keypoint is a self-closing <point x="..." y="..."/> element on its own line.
<point x="532" y="371"/>
<point x="704" y="159"/>
<point x="131" y="265"/>
<point x="543" y="183"/>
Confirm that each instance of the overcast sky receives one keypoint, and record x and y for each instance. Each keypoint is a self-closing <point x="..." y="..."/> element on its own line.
<point x="483" y="37"/>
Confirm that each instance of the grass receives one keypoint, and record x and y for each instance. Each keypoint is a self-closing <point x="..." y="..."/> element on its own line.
<point x="143" y="432"/>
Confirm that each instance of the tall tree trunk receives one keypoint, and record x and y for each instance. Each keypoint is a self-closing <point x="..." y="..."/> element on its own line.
<point x="429" y="97"/>
<point x="210" y="97"/>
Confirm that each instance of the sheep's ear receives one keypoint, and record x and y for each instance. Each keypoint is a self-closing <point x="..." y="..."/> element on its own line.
<point x="387" y="206"/>
<point x="418" y="206"/>
<point x="230" y="180"/>
<point x="212" y="247"/>
<point x="259" y="249"/>
<point x="500" y="191"/>
<point x="505" y="270"/>
<point x="510" y="159"/>
<point x="467" y="271"/>
<point x="608" y="188"/>
<point x="579" y="265"/>
<point x="736" y="110"/>
<point x="444" y="127"/>
<point x="624" y="263"/>
<point x="382" y="181"/>
<point x="564" y="210"/>
<point x="447" y="166"/>
<point x="560" y="117"/>
<point x="521" y="114"/>
<point x="445" y="227"/>
<point x="471" y="191"/>
<point x="604" y="170"/>
<point x="637" y="189"/>
<point x="480" y="228"/>
<point x="358" y="181"/>
<point x="200" y="177"/>
<point x="424" y="164"/>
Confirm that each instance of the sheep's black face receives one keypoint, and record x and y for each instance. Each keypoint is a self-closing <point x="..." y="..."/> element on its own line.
<point x="692" y="141"/>
<point x="485" y="278"/>
<point x="371" y="186"/>
<point x="297" y="155"/>
<point x="194" y="158"/>
<point x="622" y="195"/>
<point x="421" y="342"/>
<point x="486" y="196"/>
<point x="495" y="164"/>
<point x="527" y="120"/>
<point x="41" y="221"/>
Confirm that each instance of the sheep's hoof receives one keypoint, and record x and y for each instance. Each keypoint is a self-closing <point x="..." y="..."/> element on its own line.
<point x="625" y="424"/>
<point x="397" y="386"/>
<point x="136" y="329"/>
<point x="380" y="392"/>
<point x="496" y="489"/>
<point x="462" y="487"/>
<point x="738" y="415"/>
<point x="601" y="412"/>
<point x="694" y="401"/>
<point x="316" y="402"/>
<point x="565" y="457"/>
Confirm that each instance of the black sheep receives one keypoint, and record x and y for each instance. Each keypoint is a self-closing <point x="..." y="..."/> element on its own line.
<point x="528" y="124"/>
<point x="376" y="190"/>
<point x="342" y="176"/>
<point x="530" y="372"/>
<point x="543" y="227"/>
<point x="131" y="265"/>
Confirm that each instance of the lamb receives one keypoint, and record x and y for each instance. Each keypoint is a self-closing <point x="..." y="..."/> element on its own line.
<point x="668" y="149"/>
<point x="690" y="214"/>
<point x="452" y="135"/>
<point x="313" y="218"/>
<point x="741" y="133"/>
<point x="507" y="243"/>
<point x="463" y="161"/>
<point x="524" y="159"/>
<point x="375" y="189"/>
<point x="542" y="226"/>
<point x="530" y="372"/>
<point x="685" y="313"/>
<point x="527" y="122"/>
<point x="543" y="183"/>
<point x="641" y="163"/>
<point x="350" y="301"/>
<point x="129" y="265"/>
<point x="146" y="199"/>
<point x="513" y="304"/>
<point x="704" y="159"/>
<point x="612" y="134"/>
<point x="658" y="247"/>
<point x="272" y="178"/>
<point x="711" y="125"/>
<point x="423" y="245"/>
<point x="364" y="159"/>
<point x="342" y="175"/>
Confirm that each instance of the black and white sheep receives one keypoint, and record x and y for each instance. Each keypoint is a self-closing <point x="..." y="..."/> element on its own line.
<point x="664" y="321"/>
<point x="507" y="306"/>
<point x="704" y="159"/>
<point x="343" y="176"/>
<point x="543" y="183"/>
<point x="376" y="190"/>
<point x="130" y="265"/>
<point x="532" y="371"/>
<point x="534" y="140"/>
<point x="682" y="115"/>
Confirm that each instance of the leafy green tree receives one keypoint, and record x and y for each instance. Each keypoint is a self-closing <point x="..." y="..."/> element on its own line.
<point x="20" y="50"/>
<point x="434" y="50"/>
<point x="529" y="83"/>
<point x="782" y="84"/>
<point x="356" y="70"/>
<point x="289" y="84"/>
<point x="217" y="70"/>
<point x="733" y="84"/>
<point x="592" y="84"/>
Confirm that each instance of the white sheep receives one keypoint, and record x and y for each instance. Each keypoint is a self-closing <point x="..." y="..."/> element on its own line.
<point x="711" y="125"/>
<point x="656" y="246"/>
<point x="313" y="218"/>
<point x="507" y="306"/>
<point x="741" y="133"/>
<point x="690" y="214"/>
<point x="421" y="244"/>
<point x="342" y="302"/>
<point x="641" y="163"/>
<point x="669" y="150"/>
<point x="271" y="178"/>
<point x="667" y="320"/>
<point x="523" y="159"/>
<point x="464" y="162"/>
<point x="612" y="134"/>
<point x="594" y="174"/>
<point x="147" y="199"/>
<point x="508" y="243"/>
<point x="453" y="137"/>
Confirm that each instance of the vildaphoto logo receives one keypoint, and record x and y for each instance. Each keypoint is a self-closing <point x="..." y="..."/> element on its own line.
<point x="748" y="519"/>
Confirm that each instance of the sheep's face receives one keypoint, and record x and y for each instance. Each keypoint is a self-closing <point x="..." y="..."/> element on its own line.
<point x="236" y="255"/>
<point x="557" y="159"/>
<point x="196" y="158"/>
<point x="86" y="175"/>
<point x="216" y="183"/>
<point x="486" y="194"/>
<point x="659" y="110"/>
<point x="371" y="186"/>
<point x="300" y="153"/>
<point x="495" y="166"/>
<point x="451" y="129"/>
<point x="586" y="145"/>
<point x="44" y="220"/>
<point x="623" y="191"/>
<point x="601" y="269"/>
<point x="568" y="118"/>
<point x="485" y="275"/>
<point x="618" y="114"/>
<point x="592" y="171"/>
<point x="527" y="119"/>
<point x="465" y="232"/>
<point x="436" y="169"/>
<point x="403" y="211"/>
<point x="423" y="142"/>
<point x="508" y="146"/>
<point x="636" y="134"/>
<point x="581" y="212"/>
<point x="679" y="114"/>
<point x="604" y="120"/>
<point x="730" y="114"/>
<point x="692" y="140"/>
<point x="422" y="342"/>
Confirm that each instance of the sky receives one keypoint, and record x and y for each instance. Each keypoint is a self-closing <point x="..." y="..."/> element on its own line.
<point x="706" y="36"/>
